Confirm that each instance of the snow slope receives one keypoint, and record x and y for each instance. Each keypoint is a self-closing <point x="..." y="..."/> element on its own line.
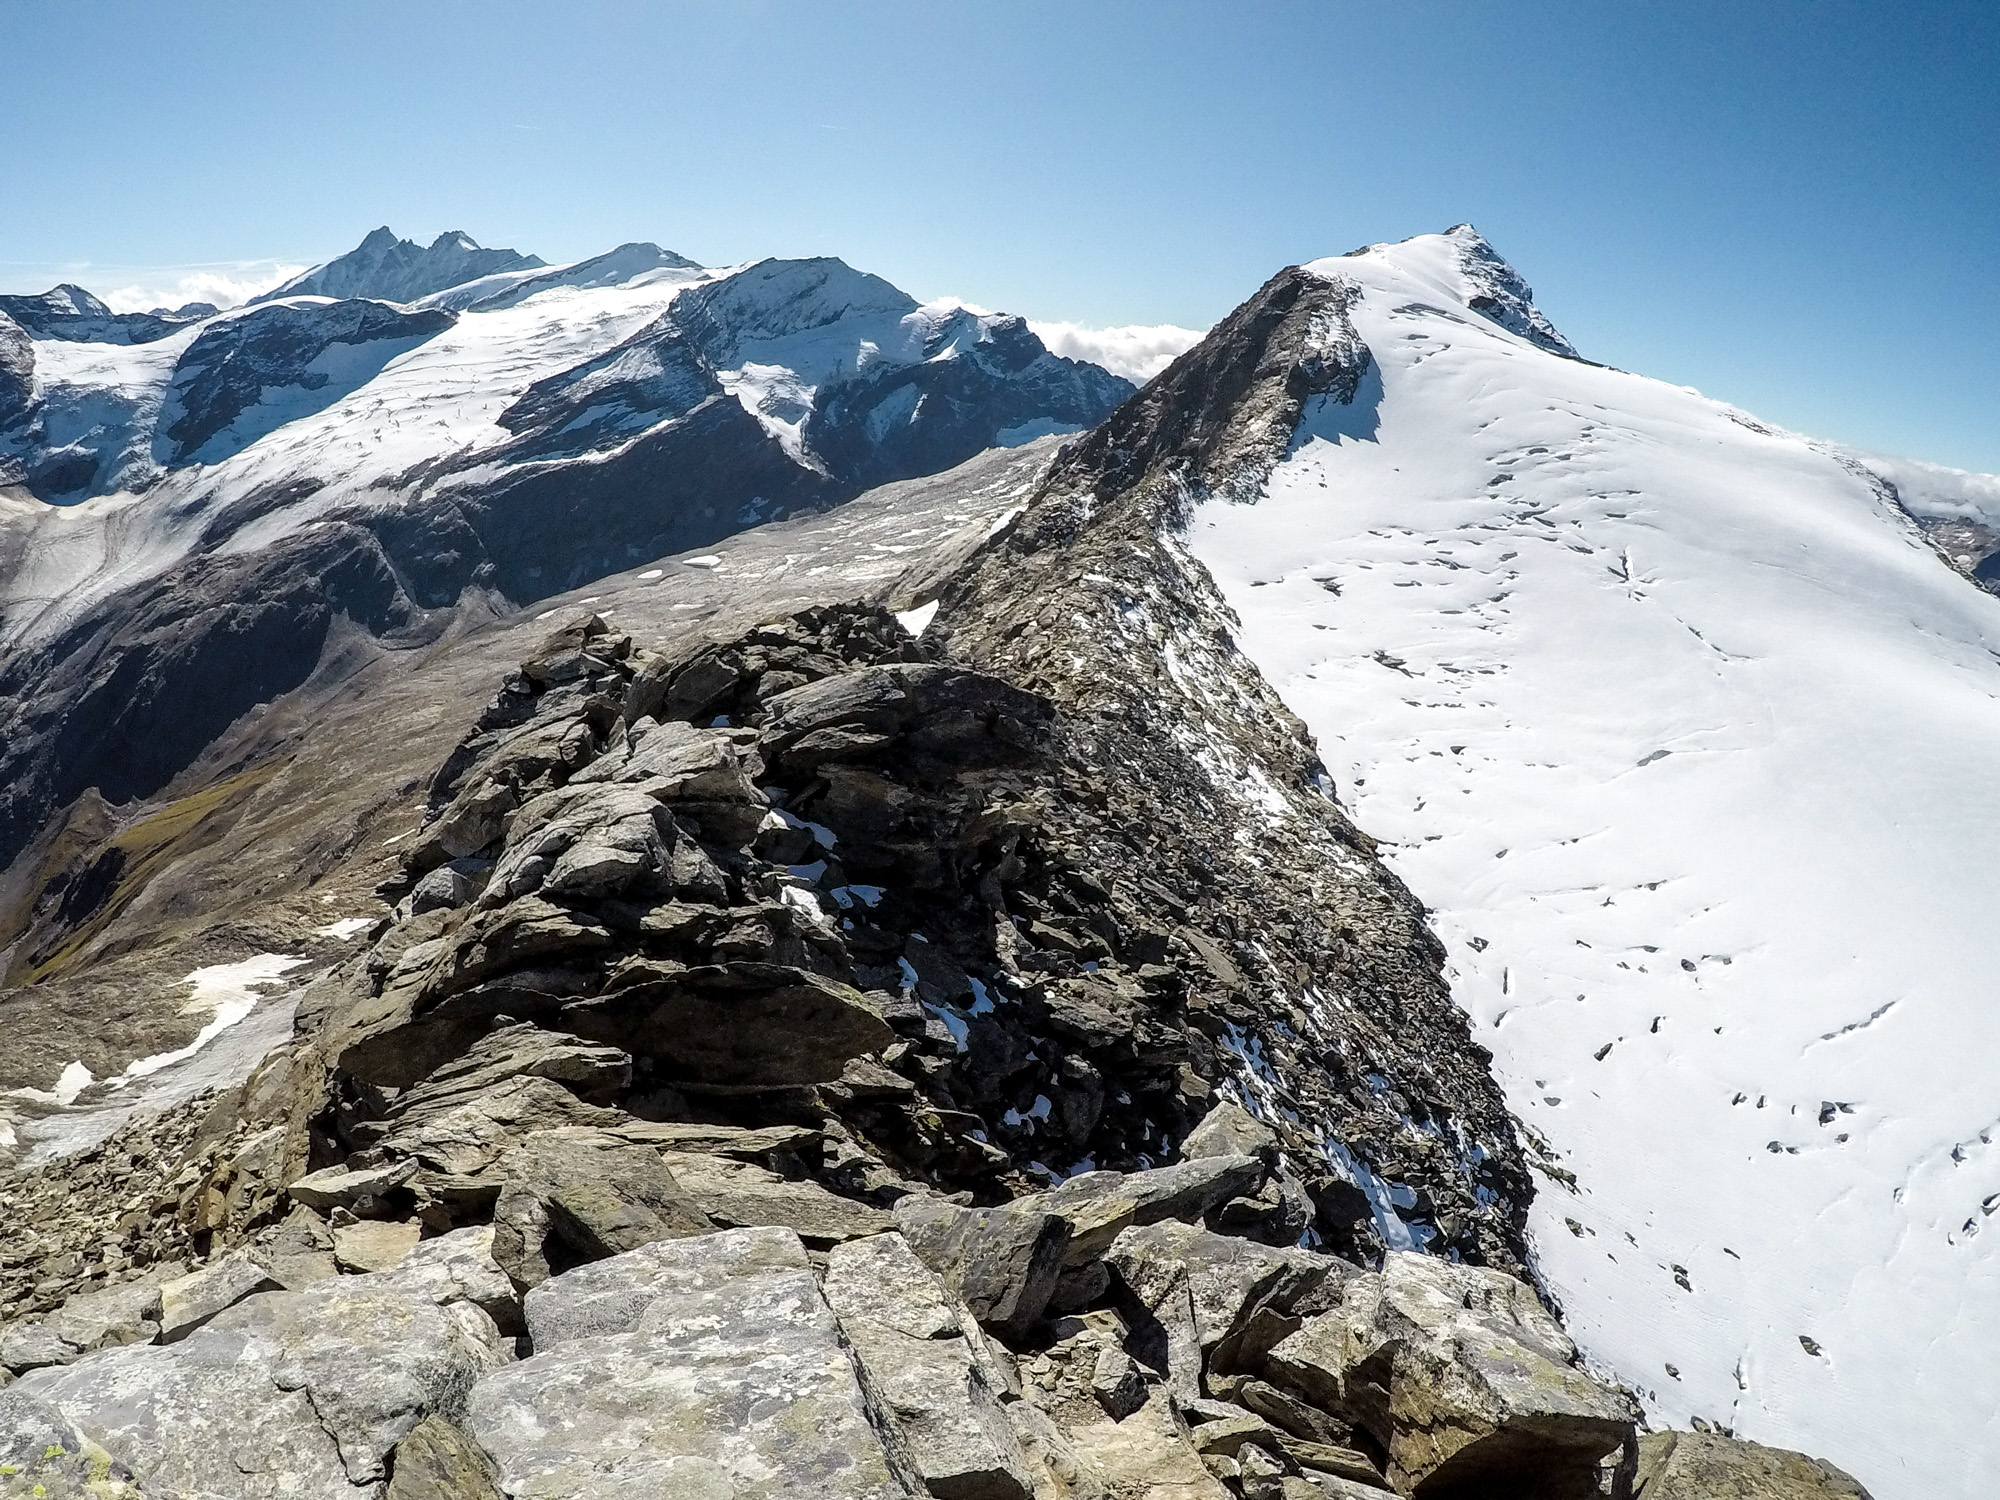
<point x="1689" y="741"/>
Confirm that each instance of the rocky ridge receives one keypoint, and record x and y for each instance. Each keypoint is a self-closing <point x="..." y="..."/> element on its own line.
<point x="648" y="1105"/>
<point x="950" y="1042"/>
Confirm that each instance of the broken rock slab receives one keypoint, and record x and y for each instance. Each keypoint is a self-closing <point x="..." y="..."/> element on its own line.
<point x="188" y="1302"/>
<point x="350" y="1188"/>
<point x="614" y="1295"/>
<point x="594" y="1193"/>
<point x="457" y="1267"/>
<point x="125" y="1314"/>
<point x="921" y="1371"/>
<point x="1229" y="1280"/>
<point x="1101" y="1205"/>
<point x="288" y="1394"/>
<point x="1703" y="1466"/>
<point x="1002" y="1263"/>
<point x="744" y="1023"/>
<point x="1146" y="1456"/>
<point x="1460" y="1375"/>
<point x="1231" y="1130"/>
<point x="439" y="1461"/>
<point x="708" y="1366"/>
<point x="736" y="1194"/>
<point x="469" y="1139"/>
<point x="44" y="1455"/>
<point x="374" y="1244"/>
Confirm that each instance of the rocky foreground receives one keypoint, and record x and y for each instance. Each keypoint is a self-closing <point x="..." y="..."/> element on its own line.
<point x="646" y="1152"/>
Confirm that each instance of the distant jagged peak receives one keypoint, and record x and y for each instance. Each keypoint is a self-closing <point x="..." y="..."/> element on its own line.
<point x="388" y="268"/>
<point x="1462" y="263"/>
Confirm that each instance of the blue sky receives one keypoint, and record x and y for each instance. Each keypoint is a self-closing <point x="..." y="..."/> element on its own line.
<point x="1792" y="204"/>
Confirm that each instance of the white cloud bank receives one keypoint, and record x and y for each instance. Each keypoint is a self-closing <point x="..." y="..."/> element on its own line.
<point x="1937" y="492"/>
<point x="1137" y="351"/>
<point x="225" y="284"/>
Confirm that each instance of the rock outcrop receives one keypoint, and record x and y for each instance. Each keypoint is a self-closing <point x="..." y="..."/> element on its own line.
<point x="1704" y="1465"/>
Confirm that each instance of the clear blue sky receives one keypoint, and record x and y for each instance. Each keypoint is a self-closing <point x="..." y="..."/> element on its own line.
<point x="1792" y="204"/>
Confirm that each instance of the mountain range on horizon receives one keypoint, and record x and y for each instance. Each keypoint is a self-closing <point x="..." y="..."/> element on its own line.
<point x="1526" y="820"/>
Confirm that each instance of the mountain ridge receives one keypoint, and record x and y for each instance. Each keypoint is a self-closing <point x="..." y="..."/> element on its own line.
<point x="1213" y="758"/>
<point x="390" y="269"/>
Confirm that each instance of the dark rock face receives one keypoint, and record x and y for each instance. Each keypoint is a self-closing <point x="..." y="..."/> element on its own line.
<point x="1503" y="296"/>
<point x="395" y="270"/>
<point x="998" y="383"/>
<point x="1314" y="986"/>
<point x="17" y="373"/>
<point x="231" y="367"/>
<point x="132" y="693"/>
<point x="685" y="484"/>
<point x="654" y="376"/>
<point x="1223" y="413"/>
<point x="972" y="383"/>
<point x="71" y="314"/>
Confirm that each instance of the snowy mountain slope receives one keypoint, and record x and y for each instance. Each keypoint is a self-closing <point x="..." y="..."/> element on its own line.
<point x="422" y="403"/>
<point x="619" y="267"/>
<point x="71" y="315"/>
<point x="1958" y="512"/>
<point x="396" y="270"/>
<point x="1687" y="739"/>
<point x="249" y="479"/>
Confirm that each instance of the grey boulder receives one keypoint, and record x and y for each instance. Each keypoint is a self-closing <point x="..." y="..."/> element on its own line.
<point x="125" y="1314"/>
<point x="1228" y="1280"/>
<point x="1101" y="1205"/>
<point x="595" y="1194"/>
<point x="1231" y="1130"/>
<point x="1459" y="1374"/>
<point x="350" y="1188"/>
<point x="1703" y="1466"/>
<point x="439" y="1461"/>
<point x="290" y="1394"/>
<point x="43" y="1455"/>
<point x="189" y="1301"/>
<point x="1002" y="1263"/>
<point x="731" y="1381"/>
<point x="456" y="1267"/>
<point x="738" y="1194"/>
<point x="918" y="1361"/>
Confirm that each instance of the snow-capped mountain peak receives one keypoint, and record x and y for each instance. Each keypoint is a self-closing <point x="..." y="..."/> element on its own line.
<point x="390" y="269"/>
<point x="1681" y="730"/>
<point x="1462" y="266"/>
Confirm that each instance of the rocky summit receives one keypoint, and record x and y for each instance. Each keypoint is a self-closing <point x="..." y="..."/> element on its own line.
<point x="744" y="925"/>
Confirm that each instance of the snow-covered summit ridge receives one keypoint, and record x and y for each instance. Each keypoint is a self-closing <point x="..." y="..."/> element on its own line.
<point x="1684" y="734"/>
<point x="1462" y="266"/>
<point x="390" y="269"/>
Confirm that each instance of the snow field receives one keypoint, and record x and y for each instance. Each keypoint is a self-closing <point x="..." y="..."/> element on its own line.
<point x="1688" y="740"/>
